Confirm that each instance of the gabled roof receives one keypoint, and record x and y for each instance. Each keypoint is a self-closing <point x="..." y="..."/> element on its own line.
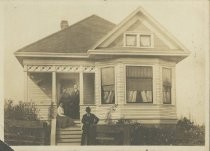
<point x="91" y="38"/>
<point x="77" y="38"/>
<point x="103" y="43"/>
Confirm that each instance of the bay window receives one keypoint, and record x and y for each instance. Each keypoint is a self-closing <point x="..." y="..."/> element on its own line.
<point x="139" y="84"/>
<point x="167" y="84"/>
<point x="107" y="85"/>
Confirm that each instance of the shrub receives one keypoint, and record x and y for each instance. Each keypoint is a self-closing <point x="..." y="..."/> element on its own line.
<point x="184" y="132"/>
<point x="20" y="111"/>
<point x="187" y="133"/>
<point x="22" y="125"/>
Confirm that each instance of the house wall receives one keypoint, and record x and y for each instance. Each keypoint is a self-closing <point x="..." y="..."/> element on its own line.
<point x="89" y="88"/>
<point x="144" y="112"/>
<point x="139" y="111"/>
<point x="39" y="96"/>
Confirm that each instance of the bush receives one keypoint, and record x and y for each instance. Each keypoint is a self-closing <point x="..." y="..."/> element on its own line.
<point x="142" y="135"/>
<point x="22" y="125"/>
<point x="20" y="111"/>
<point x="187" y="133"/>
<point x="184" y="132"/>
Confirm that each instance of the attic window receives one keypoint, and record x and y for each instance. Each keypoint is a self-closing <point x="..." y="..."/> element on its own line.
<point x="139" y="40"/>
<point x="145" y="40"/>
<point x="131" y="40"/>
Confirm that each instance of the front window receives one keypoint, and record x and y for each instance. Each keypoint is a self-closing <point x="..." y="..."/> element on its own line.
<point x="107" y="85"/>
<point x="167" y="84"/>
<point x="139" y="84"/>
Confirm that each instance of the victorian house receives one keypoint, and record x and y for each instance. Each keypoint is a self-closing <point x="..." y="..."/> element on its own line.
<point x="129" y="66"/>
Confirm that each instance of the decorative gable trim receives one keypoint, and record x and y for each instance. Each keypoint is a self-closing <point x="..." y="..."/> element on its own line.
<point x="152" y="22"/>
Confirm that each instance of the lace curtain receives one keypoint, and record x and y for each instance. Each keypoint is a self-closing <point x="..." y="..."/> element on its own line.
<point x="107" y="85"/>
<point x="167" y="84"/>
<point x="139" y="84"/>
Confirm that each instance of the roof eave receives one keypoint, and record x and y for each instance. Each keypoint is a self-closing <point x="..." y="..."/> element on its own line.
<point x="22" y="55"/>
<point x="48" y="54"/>
<point x="177" y="55"/>
<point x="138" y="52"/>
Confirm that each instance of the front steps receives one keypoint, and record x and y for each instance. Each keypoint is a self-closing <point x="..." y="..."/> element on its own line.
<point x="70" y="135"/>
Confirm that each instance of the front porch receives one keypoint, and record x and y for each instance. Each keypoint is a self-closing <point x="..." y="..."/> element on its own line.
<point x="46" y="85"/>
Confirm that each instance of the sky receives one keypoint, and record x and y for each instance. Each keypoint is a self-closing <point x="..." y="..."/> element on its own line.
<point x="28" y="21"/>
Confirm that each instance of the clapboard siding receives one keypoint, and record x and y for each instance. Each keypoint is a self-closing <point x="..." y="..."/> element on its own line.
<point x="136" y="112"/>
<point x="83" y="107"/>
<point x="173" y="86"/>
<point x="88" y="88"/>
<point x="157" y="84"/>
<point x="97" y="85"/>
<point x="120" y="83"/>
<point x="148" y="111"/>
<point x="41" y="100"/>
<point x="36" y="94"/>
<point x="43" y="111"/>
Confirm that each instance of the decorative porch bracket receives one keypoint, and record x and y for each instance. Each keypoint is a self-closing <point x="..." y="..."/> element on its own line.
<point x="59" y="68"/>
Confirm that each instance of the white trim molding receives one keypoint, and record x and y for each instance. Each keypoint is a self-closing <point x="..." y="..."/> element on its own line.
<point x="59" y="68"/>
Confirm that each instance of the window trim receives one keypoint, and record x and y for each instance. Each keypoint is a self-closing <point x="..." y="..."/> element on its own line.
<point x="138" y="34"/>
<point x="115" y="86"/>
<point x="171" y="97"/>
<point x="134" y="65"/>
<point x="132" y="34"/>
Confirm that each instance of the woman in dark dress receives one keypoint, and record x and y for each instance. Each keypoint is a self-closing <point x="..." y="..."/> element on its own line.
<point x="75" y="102"/>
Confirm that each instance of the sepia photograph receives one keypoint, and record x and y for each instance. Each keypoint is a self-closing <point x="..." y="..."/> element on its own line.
<point x="106" y="74"/>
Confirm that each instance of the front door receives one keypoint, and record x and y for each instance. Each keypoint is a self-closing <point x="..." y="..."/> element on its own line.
<point x="68" y="93"/>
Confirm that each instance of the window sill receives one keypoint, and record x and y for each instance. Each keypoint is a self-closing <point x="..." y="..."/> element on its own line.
<point x="138" y="103"/>
<point x="107" y="104"/>
<point x="87" y="104"/>
<point x="149" y="104"/>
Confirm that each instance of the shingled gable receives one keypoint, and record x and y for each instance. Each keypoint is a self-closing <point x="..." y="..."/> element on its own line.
<point x="77" y="38"/>
<point x="112" y="43"/>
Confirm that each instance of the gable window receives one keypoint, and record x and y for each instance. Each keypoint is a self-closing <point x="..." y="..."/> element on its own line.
<point x="167" y="84"/>
<point x="107" y="85"/>
<point x="139" y="84"/>
<point x="138" y="40"/>
<point x="145" y="40"/>
<point x="131" y="40"/>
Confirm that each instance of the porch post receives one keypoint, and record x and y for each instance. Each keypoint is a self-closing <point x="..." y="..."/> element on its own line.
<point x="54" y="88"/>
<point x="53" y="120"/>
<point x="25" y="84"/>
<point x="81" y="88"/>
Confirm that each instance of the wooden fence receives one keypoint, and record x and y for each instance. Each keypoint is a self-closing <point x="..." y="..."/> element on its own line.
<point x="20" y="132"/>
